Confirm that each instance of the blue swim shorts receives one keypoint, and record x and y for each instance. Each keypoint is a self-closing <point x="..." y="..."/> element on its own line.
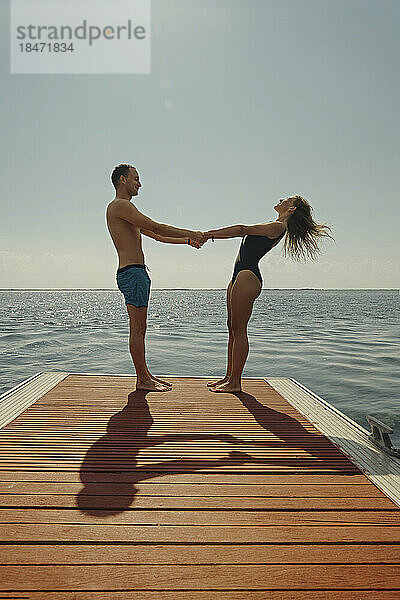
<point x="134" y="283"/>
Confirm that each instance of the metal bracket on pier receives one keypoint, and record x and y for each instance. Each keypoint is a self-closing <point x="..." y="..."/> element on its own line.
<point x="380" y="435"/>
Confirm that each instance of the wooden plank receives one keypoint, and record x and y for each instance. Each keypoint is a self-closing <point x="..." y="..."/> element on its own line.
<point x="108" y="380"/>
<point x="148" y="488"/>
<point x="296" y="534"/>
<point x="177" y="460"/>
<point x="198" y="554"/>
<point x="206" y="440"/>
<point x="182" y="465"/>
<point x="205" y="517"/>
<point x="216" y="595"/>
<point x="112" y="501"/>
<point x="224" y="466"/>
<point x="255" y="437"/>
<point x="195" y="452"/>
<point x="185" y="427"/>
<point x="192" y="577"/>
<point x="198" y="479"/>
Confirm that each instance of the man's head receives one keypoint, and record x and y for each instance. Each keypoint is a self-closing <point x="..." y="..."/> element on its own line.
<point x="125" y="178"/>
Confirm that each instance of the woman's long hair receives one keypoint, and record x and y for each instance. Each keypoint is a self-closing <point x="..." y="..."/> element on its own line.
<point x="303" y="233"/>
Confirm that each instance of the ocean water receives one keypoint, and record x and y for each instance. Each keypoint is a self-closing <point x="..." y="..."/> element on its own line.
<point x="341" y="344"/>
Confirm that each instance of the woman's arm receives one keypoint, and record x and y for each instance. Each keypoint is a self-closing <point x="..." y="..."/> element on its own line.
<point x="169" y="240"/>
<point x="226" y="232"/>
<point x="272" y="230"/>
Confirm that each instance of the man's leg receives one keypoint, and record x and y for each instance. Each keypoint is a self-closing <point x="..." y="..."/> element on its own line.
<point x="137" y="333"/>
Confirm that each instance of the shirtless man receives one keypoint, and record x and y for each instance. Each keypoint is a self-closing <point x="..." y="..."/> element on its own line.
<point x="126" y="224"/>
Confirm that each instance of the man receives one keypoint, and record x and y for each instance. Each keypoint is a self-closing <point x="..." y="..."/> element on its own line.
<point x="126" y="224"/>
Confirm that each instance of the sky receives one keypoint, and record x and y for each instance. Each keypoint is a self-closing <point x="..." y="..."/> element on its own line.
<point x="247" y="102"/>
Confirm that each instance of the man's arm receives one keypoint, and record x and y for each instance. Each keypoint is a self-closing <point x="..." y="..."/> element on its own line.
<point x="170" y="240"/>
<point x="127" y="211"/>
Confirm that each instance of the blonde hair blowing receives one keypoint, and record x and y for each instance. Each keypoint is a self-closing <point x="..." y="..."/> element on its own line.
<point x="303" y="233"/>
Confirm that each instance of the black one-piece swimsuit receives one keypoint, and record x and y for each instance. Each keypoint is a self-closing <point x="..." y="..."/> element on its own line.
<point x="251" y="251"/>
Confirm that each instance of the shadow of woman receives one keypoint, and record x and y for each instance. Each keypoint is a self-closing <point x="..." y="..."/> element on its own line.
<point x="116" y="452"/>
<point x="292" y="434"/>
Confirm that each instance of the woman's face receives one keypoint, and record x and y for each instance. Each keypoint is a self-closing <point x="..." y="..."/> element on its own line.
<point x="284" y="204"/>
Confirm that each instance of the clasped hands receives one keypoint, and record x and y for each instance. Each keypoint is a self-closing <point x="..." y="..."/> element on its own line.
<point x="198" y="238"/>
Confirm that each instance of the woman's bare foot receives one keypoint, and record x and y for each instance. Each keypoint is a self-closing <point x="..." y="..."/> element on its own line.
<point x="220" y="382"/>
<point x="228" y="387"/>
<point x="151" y="385"/>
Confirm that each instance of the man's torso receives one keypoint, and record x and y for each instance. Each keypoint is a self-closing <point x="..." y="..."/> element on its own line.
<point x="126" y="237"/>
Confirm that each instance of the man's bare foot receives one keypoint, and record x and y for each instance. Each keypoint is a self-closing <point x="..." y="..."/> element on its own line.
<point x="214" y="383"/>
<point x="238" y="455"/>
<point x="161" y="380"/>
<point x="152" y="386"/>
<point x="154" y="378"/>
<point x="227" y="388"/>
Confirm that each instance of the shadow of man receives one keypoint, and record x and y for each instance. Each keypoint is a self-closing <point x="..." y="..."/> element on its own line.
<point x="116" y="453"/>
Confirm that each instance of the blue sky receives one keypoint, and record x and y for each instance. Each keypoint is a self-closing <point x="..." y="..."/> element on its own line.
<point x="247" y="102"/>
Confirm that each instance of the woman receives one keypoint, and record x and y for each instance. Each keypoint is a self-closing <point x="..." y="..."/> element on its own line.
<point x="301" y="233"/>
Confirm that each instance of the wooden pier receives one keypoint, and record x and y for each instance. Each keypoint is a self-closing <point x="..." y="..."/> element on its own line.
<point x="108" y="493"/>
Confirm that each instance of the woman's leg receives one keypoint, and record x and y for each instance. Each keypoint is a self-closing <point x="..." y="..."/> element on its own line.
<point x="244" y="291"/>
<point x="230" y="340"/>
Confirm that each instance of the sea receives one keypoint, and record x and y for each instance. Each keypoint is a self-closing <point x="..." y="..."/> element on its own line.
<point x="342" y="344"/>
